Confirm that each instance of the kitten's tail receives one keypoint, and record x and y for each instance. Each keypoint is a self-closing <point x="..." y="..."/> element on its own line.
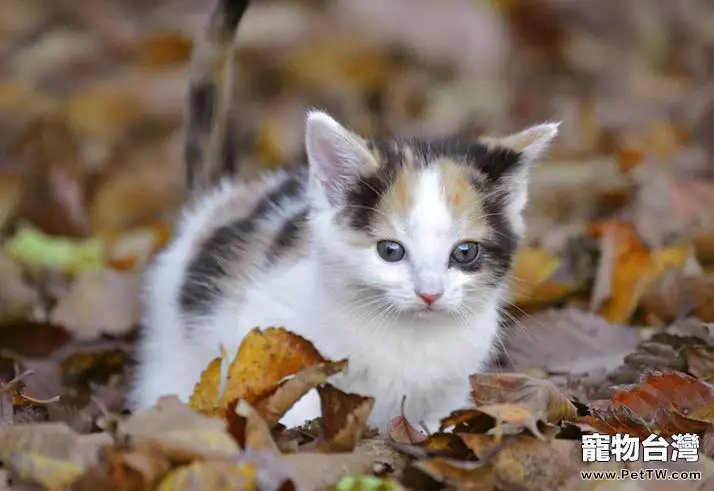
<point x="209" y="151"/>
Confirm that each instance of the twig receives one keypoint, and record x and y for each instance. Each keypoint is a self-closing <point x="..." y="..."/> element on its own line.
<point x="14" y="383"/>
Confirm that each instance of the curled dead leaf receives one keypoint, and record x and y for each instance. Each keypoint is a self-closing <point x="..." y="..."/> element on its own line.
<point x="344" y="417"/>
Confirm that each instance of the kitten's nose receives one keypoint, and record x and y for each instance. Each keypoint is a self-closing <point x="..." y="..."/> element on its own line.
<point x="429" y="298"/>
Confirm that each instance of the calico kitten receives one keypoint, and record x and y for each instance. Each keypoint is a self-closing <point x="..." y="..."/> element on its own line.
<point x="393" y="253"/>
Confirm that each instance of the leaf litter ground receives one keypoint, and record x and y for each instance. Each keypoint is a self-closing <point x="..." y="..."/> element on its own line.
<point x="612" y="292"/>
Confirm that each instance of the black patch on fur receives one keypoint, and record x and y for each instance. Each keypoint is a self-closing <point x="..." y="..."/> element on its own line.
<point x="499" y="250"/>
<point x="364" y="196"/>
<point x="208" y="269"/>
<point x="287" y="237"/>
<point x="201" y="112"/>
<point x="231" y="12"/>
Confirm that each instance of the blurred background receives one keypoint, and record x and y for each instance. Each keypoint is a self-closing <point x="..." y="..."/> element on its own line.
<point x="91" y="106"/>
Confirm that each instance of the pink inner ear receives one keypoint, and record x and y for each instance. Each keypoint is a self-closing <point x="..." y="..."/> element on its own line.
<point x="333" y="152"/>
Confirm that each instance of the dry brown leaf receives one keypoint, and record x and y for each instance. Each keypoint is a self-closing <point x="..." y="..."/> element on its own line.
<point x="569" y="340"/>
<point x="53" y="184"/>
<point x="532" y="464"/>
<point x="401" y="431"/>
<point x="120" y="469"/>
<point x="275" y="405"/>
<point x="700" y="361"/>
<point x="179" y="433"/>
<point x="344" y="417"/>
<point x="263" y="359"/>
<point x="465" y="476"/>
<point x="52" y="440"/>
<point x="248" y="428"/>
<point x="322" y="470"/>
<point x="100" y="302"/>
<point x="541" y="397"/>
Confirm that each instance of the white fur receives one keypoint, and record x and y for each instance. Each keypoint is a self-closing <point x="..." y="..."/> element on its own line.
<point x="394" y="345"/>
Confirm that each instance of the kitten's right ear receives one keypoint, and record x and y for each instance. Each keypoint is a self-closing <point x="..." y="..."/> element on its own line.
<point x="337" y="156"/>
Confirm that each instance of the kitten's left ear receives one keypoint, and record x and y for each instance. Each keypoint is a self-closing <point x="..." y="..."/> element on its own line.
<point x="530" y="144"/>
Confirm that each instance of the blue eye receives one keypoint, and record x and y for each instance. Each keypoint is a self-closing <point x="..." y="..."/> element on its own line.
<point x="465" y="253"/>
<point x="391" y="251"/>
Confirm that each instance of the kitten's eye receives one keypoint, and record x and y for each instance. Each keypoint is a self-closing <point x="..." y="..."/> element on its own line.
<point x="390" y="251"/>
<point x="465" y="254"/>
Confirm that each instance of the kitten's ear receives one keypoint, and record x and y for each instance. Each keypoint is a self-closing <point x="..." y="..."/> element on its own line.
<point x="530" y="144"/>
<point x="336" y="155"/>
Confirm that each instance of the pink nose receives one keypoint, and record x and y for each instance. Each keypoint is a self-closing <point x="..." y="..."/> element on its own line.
<point x="430" y="298"/>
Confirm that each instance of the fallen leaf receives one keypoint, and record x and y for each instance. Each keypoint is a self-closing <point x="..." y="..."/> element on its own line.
<point x="532" y="282"/>
<point x="541" y="397"/>
<point x="263" y="359"/>
<point x="344" y="417"/>
<point x="133" y="249"/>
<point x="568" y="340"/>
<point x="322" y="470"/>
<point x="206" y="393"/>
<point x="53" y="184"/>
<point x="700" y="361"/>
<point x="52" y="440"/>
<point x="662" y="403"/>
<point x="79" y="369"/>
<point x="248" y="429"/>
<point x="532" y="464"/>
<point x="123" y="470"/>
<point x="467" y="476"/>
<point x="210" y="476"/>
<point x="274" y="406"/>
<point x="634" y="267"/>
<point x="176" y="431"/>
<point x="401" y="431"/>
<point x="50" y="473"/>
<point x="100" y="302"/>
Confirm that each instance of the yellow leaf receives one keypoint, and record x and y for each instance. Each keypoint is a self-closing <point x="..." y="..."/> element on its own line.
<point x="207" y="391"/>
<point x="264" y="358"/>
<point x="532" y="270"/>
<point x="635" y="267"/>
<point x="51" y="474"/>
<point x="214" y="476"/>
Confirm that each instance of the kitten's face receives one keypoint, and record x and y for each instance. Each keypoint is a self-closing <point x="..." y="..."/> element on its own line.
<point x="417" y="227"/>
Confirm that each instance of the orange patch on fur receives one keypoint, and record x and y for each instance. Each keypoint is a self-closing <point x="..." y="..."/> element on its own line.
<point x="460" y="195"/>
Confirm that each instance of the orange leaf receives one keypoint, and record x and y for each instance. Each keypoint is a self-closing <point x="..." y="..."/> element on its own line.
<point x="662" y="403"/>
<point x="628" y="268"/>
<point x="264" y="358"/>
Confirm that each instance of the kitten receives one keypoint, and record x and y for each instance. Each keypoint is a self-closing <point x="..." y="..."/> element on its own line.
<point x="393" y="253"/>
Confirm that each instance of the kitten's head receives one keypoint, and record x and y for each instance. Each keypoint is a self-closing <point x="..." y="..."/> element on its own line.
<point x="417" y="226"/>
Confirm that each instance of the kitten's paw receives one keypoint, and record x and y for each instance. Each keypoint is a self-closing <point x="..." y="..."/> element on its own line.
<point x="306" y="409"/>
